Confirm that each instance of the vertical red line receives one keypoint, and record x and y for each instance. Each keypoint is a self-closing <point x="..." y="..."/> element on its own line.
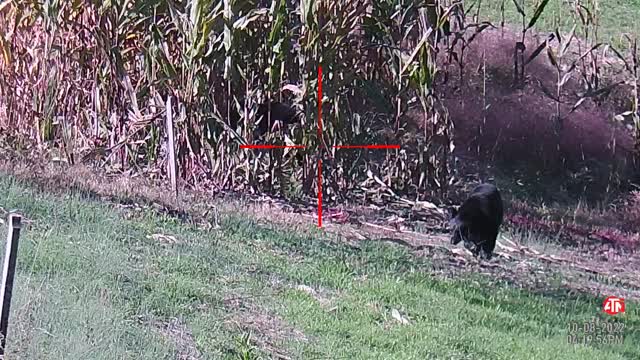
<point x="319" y="192"/>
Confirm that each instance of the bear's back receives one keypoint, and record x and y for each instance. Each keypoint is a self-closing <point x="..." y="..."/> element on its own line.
<point x="489" y="196"/>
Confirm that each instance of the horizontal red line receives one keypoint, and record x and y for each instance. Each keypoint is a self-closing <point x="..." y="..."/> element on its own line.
<point x="367" y="146"/>
<point x="271" y="146"/>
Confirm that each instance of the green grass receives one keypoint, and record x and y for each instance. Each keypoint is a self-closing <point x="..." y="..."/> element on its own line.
<point x="90" y="282"/>
<point x="615" y="17"/>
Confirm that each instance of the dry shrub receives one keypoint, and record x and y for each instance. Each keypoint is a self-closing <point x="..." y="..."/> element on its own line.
<point x="518" y="127"/>
<point x="630" y="212"/>
<point x="98" y="76"/>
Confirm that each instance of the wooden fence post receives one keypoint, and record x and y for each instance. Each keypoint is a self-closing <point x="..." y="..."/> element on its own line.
<point x="171" y="148"/>
<point x="8" y="272"/>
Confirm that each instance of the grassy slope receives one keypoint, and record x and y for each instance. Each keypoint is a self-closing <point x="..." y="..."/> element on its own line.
<point x="87" y="275"/>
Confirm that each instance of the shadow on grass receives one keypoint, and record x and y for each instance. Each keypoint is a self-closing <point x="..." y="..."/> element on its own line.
<point x="56" y="184"/>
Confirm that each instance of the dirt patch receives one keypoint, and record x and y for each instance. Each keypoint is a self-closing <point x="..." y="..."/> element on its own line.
<point x="599" y="270"/>
<point x="322" y="296"/>
<point x="179" y="334"/>
<point x="269" y="331"/>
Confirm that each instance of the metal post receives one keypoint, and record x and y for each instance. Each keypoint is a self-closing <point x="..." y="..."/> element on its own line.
<point x="8" y="272"/>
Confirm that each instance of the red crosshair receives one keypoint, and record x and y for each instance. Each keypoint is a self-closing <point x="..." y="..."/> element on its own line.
<point x="320" y="137"/>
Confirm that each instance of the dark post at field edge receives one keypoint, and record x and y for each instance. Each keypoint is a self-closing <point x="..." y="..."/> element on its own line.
<point x="8" y="271"/>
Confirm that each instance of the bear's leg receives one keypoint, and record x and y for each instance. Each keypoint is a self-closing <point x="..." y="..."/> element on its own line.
<point x="473" y="243"/>
<point x="484" y="254"/>
<point x="488" y="246"/>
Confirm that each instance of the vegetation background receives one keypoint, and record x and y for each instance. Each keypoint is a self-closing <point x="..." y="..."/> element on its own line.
<point x="540" y="97"/>
<point x="91" y="80"/>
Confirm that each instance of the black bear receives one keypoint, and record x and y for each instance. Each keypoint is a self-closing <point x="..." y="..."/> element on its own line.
<point x="477" y="221"/>
<point x="282" y="115"/>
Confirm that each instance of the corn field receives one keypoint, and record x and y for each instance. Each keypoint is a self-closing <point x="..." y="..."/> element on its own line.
<point x="91" y="80"/>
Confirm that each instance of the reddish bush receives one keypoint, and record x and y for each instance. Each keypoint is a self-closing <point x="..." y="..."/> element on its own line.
<point x="576" y="234"/>
<point x="519" y="126"/>
<point x="617" y="238"/>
